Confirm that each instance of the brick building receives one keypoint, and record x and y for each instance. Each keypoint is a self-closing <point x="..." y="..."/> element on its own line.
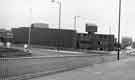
<point x="93" y="41"/>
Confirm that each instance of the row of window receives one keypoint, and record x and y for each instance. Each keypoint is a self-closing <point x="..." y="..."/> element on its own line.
<point x="98" y="42"/>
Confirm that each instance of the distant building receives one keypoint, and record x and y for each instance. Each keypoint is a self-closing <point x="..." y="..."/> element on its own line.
<point x="133" y="44"/>
<point x="41" y="35"/>
<point x="126" y="41"/>
<point x="39" y="25"/>
<point x="94" y="41"/>
<point x="5" y="35"/>
<point x="91" y="27"/>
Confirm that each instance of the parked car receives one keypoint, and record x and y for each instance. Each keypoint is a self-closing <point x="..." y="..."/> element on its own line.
<point x="130" y="52"/>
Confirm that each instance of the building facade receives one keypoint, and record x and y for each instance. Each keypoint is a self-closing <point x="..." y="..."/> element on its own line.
<point x="65" y="38"/>
<point x="45" y="36"/>
<point x="6" y="35"/>
<point x="93" y="41"/>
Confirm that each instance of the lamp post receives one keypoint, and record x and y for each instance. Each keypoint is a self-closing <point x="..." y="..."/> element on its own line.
<point x="119" y="21"/>
<point x="110" y="29"/>
<point x="29" y="31"/>
<point x="29" y="38"/>
<point x="59" y="14"/>
<point x="75" y="21"/>
<point x="59" y="3"/>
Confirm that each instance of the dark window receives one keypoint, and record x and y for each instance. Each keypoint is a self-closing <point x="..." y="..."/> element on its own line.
<point x="99" y="42"/>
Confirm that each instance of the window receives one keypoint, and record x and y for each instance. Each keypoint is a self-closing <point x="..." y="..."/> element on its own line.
<point x="99" y="42"/>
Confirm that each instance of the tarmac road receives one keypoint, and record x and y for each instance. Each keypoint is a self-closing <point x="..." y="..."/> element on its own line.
<point x="118" y="70"/>
<point x="19" y="67"/>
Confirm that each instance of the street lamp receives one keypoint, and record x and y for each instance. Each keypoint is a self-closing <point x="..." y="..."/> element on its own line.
<point x="29" y="31"/>
<point x="119" y="21"/>
<point x="110" y="29"/>
<point x="75" y="21"/>
<point x="59" y="3"/>
<point x="29" y="37"/>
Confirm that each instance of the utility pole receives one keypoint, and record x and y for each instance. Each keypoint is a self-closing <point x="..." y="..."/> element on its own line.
<point x="118" y="54"/>
<point x="59" y="42"/>
<point x="29" y="31"/>
<point x="59" y="3"/>
<point x="75" y="20"/>
<point x="59" y="14"/>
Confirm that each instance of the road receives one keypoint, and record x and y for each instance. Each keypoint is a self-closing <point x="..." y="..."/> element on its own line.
<point x="21" y="67"/>
<point x="118" y="70"/>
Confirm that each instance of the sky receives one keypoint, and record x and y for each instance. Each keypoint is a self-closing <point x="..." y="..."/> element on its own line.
<point x="104" y="13"/>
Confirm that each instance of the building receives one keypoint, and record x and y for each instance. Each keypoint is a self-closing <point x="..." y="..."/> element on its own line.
<point x="45" y="36"/>
<point x="40" y="25"/>
<point x="93" y="41"/>
<point x="5" y="35"/>
<point x="65" y="38"/>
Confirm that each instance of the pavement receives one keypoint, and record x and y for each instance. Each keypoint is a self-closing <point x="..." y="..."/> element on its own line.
<point x="118" y="70"/>
<point x="54" y="52"/>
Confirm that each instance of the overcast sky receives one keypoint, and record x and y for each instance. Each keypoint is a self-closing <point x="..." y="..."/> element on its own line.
<point x="104" y="13"/>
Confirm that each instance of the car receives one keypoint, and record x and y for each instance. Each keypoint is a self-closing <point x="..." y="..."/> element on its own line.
<point x="130" y="52"/>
